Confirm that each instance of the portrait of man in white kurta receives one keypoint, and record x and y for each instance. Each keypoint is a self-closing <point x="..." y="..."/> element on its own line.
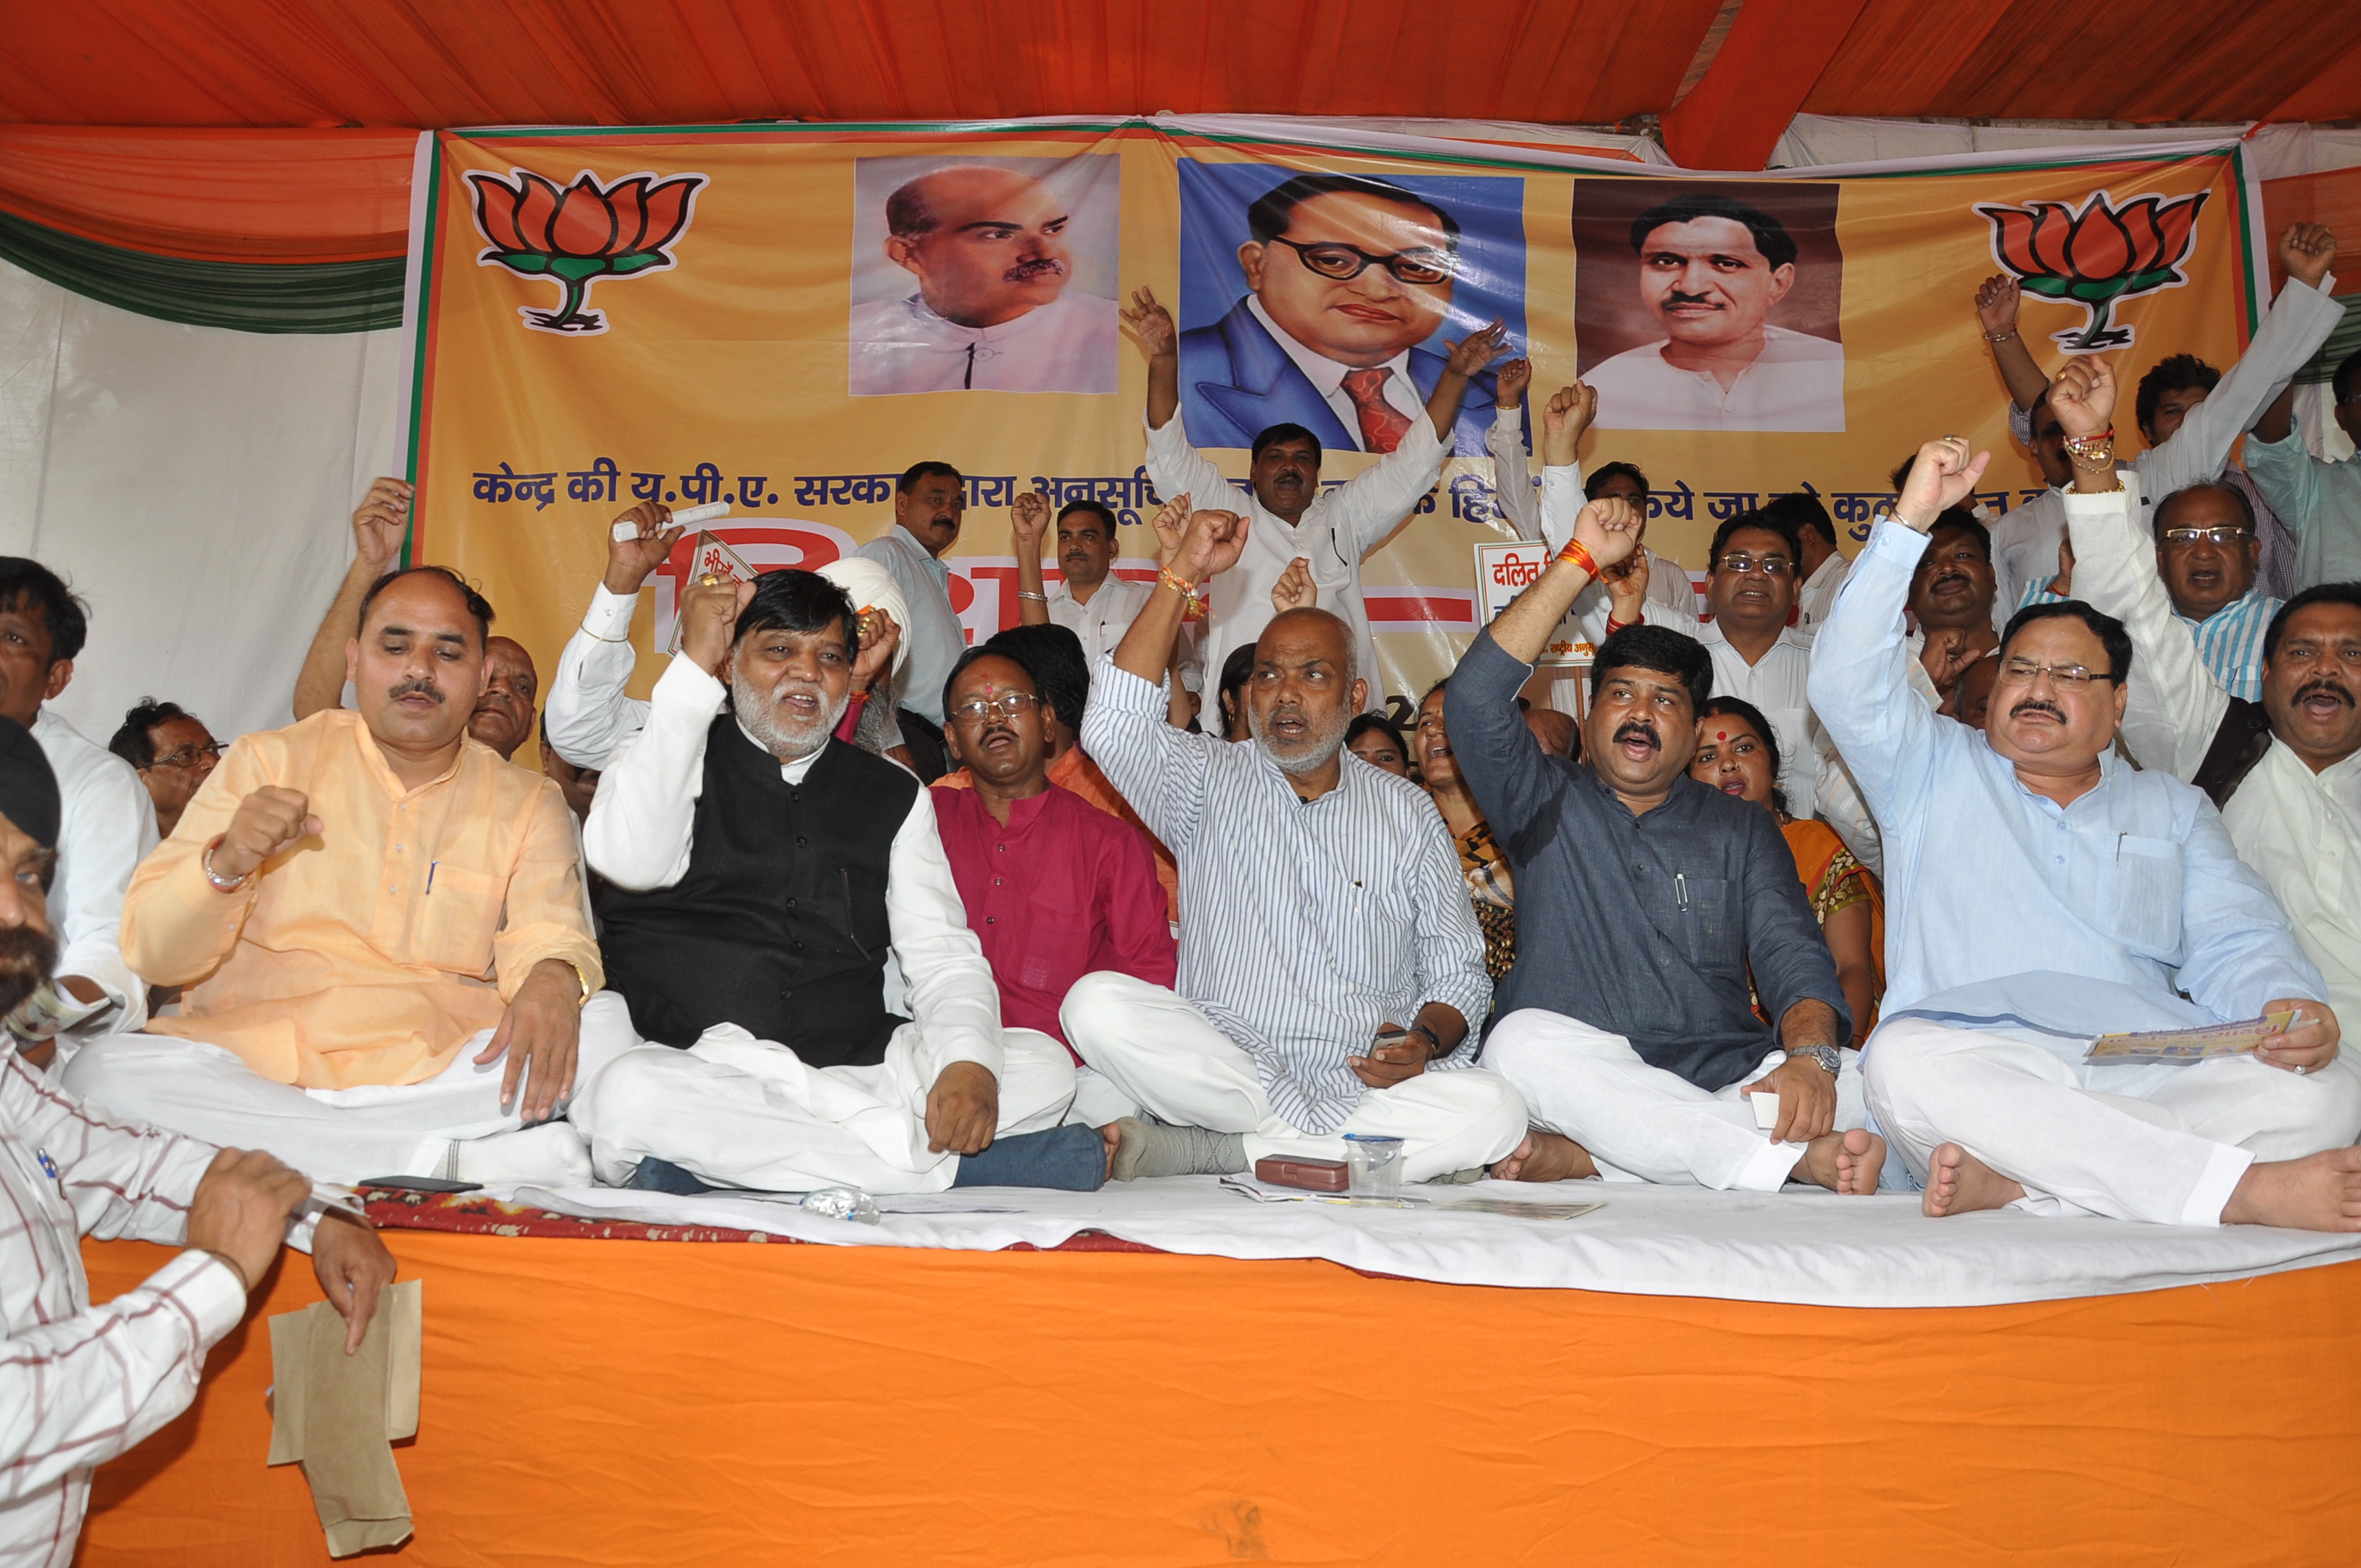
<point x="1709" y="309"/>
<point x="986" y="274"/>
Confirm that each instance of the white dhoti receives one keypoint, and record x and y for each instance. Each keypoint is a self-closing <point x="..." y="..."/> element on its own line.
<point x="330" y="1135"/>
<point x="1158" y="1050"/>
<point x="2164" y="1144"/>
<point x="1643" y="1123"/>
<point x="734" y="1110"/>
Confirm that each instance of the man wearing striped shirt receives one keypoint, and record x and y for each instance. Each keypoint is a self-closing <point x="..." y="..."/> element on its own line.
<point x="79" y="1384"/>
<point x="2208" y="552"/>
<point x="1331" y="968"/>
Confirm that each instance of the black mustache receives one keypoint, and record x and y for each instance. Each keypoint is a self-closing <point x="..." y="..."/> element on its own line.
<point x="1635" y="731"/>
<point x="1026" y="272"/>
<point x="2034" y="704"/>
<point x="1677" y="297"/>
<point x="414" y="688"/>
<point x="2325" y="687"/>
<point x="26" y="957"/>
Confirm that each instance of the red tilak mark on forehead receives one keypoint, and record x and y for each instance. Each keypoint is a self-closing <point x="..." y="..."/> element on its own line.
<point x="1722" y="734"/>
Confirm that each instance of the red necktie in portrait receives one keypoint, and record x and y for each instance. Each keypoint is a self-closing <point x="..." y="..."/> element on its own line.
<point x="1382" y="424"/>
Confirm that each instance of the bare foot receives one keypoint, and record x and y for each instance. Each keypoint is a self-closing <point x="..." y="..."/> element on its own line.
<point x="1114" y="1136"/>
<point x="2318" y="1192"/>
<point x="1860" y="1157"/>
<point x="1546" y="1156"/>
<point x="1843" y="1162"/>
<point x="1960" y="1183"/>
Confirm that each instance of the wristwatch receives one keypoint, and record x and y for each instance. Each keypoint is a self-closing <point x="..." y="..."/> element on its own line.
<point x="1824" y="1055"/>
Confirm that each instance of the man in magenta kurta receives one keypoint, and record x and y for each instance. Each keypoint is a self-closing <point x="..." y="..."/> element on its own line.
<point x="1054" y="888"/>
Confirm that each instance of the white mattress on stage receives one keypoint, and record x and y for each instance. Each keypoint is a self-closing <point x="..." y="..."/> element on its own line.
<point x="1799" y="1247"/>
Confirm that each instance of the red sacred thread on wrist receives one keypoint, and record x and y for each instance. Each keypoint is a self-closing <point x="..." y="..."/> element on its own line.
<point x="1575" y="553"/>
<point x="1614" y="626"/>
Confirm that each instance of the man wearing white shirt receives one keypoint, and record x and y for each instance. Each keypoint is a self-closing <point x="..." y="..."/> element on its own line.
<point x="1821" y="565"/>
<point x="757" y="872"/>
<point x="80" y="1385"/>
<point x="2286" y="771"/>
<point x="2026" y="538"/>
<point x="1089" y="601"/>
<point x="1289" y="517"/>
<point x="588" y="713"/>
<point x="1711" y="268"/>
<point x="1756" y="655"/>
<point x="108" y="826"/>
<point x="992" y="312"/>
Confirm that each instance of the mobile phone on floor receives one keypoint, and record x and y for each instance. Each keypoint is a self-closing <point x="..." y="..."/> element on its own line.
<point x="420" y="1184"/>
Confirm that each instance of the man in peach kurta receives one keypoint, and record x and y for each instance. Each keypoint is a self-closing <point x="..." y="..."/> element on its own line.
<point x="382" y="932"/>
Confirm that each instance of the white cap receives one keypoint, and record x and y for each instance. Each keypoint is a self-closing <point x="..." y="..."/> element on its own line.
<point x="869" y="586"/>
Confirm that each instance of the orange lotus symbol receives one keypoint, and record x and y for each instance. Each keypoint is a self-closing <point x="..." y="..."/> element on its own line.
<point x="579" y="234"/>
<point x="2097" y="257"/>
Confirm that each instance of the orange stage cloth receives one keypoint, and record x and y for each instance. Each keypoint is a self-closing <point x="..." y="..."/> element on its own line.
<point x="656" y="1403"/>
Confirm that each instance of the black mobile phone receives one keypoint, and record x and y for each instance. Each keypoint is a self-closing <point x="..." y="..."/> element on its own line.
<point x="420" y="1184"/>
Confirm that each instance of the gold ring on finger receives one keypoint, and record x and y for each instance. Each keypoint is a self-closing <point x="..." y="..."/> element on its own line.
<point x="710" y="580"/>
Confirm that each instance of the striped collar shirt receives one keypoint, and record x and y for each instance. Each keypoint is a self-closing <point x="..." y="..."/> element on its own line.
<point x="1305" y="926"/>
<point x="2230" y="640"/>
<point x="79" y="1384"/>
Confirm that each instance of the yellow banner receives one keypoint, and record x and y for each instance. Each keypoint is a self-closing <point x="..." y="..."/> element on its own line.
<point x="786" y="317"/>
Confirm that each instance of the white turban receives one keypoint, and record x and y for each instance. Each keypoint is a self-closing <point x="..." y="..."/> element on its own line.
<point x="872" y="587"/>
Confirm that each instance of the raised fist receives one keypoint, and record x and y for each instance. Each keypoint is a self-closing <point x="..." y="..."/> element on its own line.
<point x="268" y="822"/>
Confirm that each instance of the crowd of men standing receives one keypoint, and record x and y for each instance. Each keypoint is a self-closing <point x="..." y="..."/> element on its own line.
<point x="1831" y="885"/>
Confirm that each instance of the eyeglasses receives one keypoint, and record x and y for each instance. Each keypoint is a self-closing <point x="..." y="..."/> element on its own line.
<point x="1332" y="258"/>
<point x="2021" y="671"/>
<point x="1008" y="705"/>
<point x="1739" y="561"/>
<point x="188" y="756"/>
<point x="2211" y="535"/>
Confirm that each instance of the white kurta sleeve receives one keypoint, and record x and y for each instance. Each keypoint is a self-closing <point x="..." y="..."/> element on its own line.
<point x="586" y="711"/>
<point x="643" y="822"/>
<point x="1177" y="468"/>
<point x="1513" y="472"/>
<point x="2291" y="332"/>
<point x="953" y="997"/>
<point x="107" y="828"/>
<point x="1373" y="502"/>
<point x="2175" y="704"/>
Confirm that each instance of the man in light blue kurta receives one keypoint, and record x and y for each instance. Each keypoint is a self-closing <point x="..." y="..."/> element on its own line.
<point x="2041" y="892"/>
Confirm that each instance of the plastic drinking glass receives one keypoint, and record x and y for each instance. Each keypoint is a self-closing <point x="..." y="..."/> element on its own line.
<point x="1373" y="1166"/>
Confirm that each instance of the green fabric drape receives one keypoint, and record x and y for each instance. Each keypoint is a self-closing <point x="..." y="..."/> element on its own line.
<point x="315" y="297"/>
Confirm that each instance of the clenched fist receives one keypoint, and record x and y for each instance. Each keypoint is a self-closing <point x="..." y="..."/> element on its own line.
<point x="270" y="822"/>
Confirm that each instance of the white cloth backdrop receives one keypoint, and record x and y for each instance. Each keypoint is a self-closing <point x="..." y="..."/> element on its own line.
<point x="194" y="485"/>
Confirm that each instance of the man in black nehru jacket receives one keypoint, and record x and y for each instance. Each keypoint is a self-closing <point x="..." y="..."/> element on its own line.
<point x="759" y="875"/>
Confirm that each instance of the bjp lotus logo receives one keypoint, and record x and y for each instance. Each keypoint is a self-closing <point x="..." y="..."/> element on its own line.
<point x="2096" y="257"/>
<point x="579" y="234"/>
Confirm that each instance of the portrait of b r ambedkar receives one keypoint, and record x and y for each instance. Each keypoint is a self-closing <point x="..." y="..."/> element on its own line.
<point x="1327" y="310"/>
<point x="1712" y="271"/>
<point x="979" y="276"/>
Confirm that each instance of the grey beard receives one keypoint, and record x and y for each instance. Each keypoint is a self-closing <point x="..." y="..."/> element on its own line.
<point x="1317" y="751"/>
<point x="788" y="743"/>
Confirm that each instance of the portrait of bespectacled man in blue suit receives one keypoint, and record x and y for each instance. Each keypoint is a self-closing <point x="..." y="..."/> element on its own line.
<point x="1322" y="300"/>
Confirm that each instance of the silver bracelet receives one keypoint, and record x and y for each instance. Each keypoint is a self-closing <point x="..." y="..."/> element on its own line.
<point x="206" y="864"/>
<point x="1037" y="599"/>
